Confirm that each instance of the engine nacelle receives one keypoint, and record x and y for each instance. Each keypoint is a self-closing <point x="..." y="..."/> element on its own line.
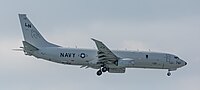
<point x="125" y="62"/>
<point x="116" y="70"/>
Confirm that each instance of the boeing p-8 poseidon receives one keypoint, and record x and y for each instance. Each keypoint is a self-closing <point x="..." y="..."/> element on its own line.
<point x="103" y="59"/>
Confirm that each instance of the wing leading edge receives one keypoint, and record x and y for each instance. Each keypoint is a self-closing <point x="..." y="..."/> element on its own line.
<point x="105" y="55"/>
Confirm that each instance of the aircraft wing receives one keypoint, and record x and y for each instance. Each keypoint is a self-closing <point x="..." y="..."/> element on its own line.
<point x="104" y="53"/>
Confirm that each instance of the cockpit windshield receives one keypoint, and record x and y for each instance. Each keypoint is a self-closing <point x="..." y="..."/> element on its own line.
<point x="176" y="57"/>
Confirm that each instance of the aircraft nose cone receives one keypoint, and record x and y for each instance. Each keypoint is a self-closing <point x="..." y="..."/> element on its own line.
<point x="185" y="63"/>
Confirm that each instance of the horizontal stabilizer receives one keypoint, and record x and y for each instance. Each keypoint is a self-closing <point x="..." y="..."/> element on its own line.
<point x="28" y="47"/>
<point x="18" y="49"/>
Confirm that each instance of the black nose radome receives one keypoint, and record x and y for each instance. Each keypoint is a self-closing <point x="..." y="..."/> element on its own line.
<point x="185" y="63"/>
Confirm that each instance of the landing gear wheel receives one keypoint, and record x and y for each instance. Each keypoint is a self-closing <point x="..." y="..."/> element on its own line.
<point x="168" y="74"/>
<point x="99" y="72"/>
<point x="104" y="69"/>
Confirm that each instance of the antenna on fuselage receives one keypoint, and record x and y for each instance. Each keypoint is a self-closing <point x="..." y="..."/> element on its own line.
<point x="149" y="50"/>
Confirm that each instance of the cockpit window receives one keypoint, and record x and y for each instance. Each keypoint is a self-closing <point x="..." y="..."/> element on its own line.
<point x="176" y="57"/>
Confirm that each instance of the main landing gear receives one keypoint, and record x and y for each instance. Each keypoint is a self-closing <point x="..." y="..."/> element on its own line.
<point x="104" y="69"/>
<point x="99" y="72"/>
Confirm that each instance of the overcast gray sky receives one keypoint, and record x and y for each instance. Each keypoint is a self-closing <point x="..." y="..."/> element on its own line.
<point x="171" y="26"/>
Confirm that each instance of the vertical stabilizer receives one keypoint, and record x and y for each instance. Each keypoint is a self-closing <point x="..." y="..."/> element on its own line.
<point x="31" y="34"/>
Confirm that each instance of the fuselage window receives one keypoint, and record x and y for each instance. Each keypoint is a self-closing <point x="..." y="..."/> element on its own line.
<point x="147" y="56"/>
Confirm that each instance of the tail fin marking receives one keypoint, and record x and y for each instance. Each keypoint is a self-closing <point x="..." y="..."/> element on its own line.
<point x="31" y="34"/>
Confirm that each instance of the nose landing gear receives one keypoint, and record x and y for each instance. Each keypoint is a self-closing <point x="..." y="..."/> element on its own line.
<point x="171" y="69"/>
<point x="168" y="73"/>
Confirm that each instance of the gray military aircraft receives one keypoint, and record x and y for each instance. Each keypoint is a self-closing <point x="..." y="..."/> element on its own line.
<point x="103" y="59"/>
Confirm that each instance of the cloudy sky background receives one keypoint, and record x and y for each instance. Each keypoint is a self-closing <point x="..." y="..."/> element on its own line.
<point x="171" y="26"/>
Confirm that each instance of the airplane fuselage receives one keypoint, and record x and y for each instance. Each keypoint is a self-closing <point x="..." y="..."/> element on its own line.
<point x="136" y="59"/>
